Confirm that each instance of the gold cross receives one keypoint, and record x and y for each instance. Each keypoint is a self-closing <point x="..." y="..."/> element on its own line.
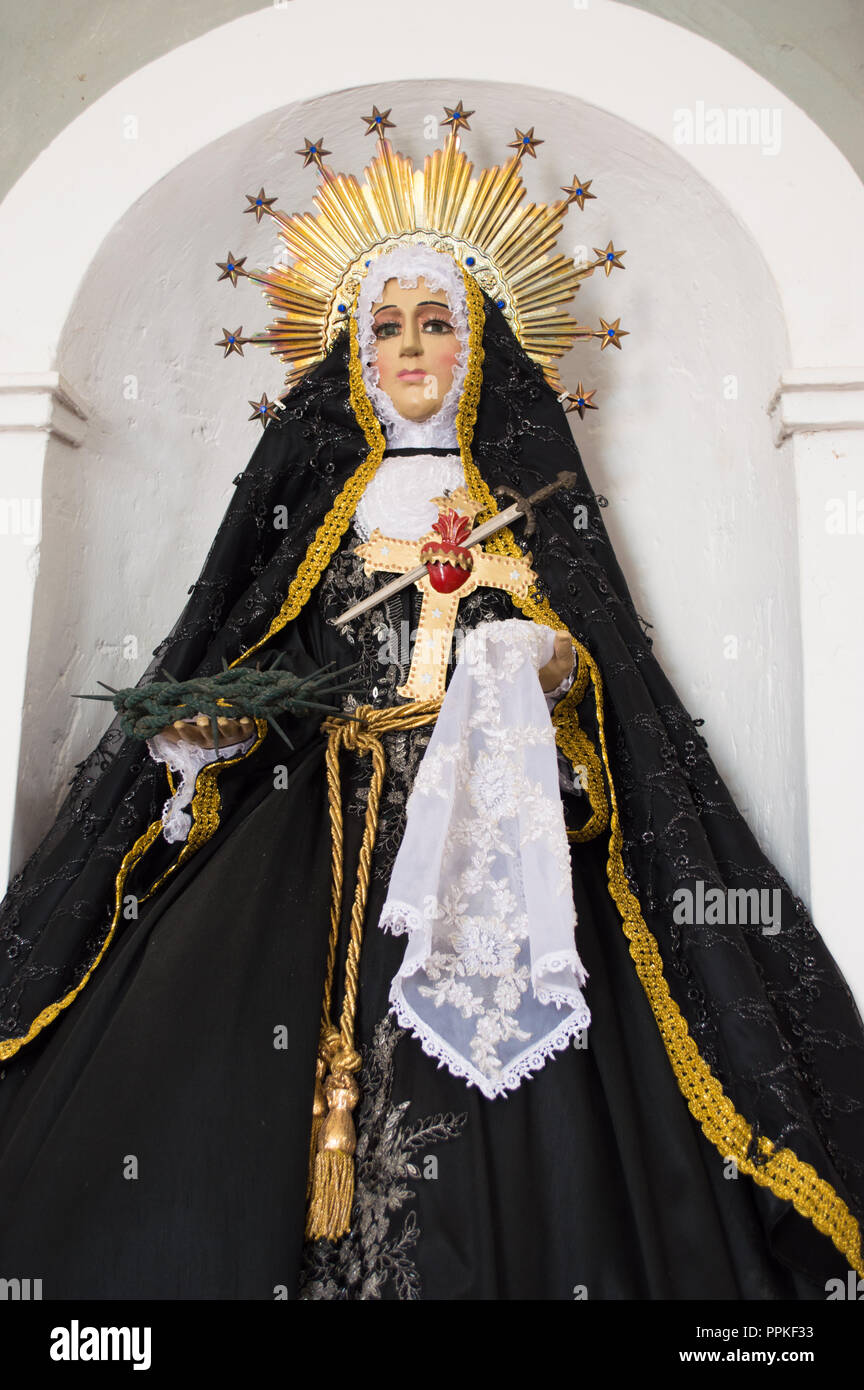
<point x="427" y="676"/>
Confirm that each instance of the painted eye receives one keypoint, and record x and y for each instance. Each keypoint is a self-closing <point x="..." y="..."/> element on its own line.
<point x="437" y="326"/>
<point x="386" y="330"/>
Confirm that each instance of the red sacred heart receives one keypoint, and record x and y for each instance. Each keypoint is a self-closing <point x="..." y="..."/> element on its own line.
<point x="446" y="578"/>
<point x="448" y="562"/>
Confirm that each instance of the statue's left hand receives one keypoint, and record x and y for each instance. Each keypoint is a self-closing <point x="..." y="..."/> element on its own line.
<point x="560" y="665"/>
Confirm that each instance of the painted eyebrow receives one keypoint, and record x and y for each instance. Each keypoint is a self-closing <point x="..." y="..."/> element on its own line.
<point x="441" y="303"/>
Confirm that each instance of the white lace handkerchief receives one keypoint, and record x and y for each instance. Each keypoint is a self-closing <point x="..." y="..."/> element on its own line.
<point x="490" y="981"/>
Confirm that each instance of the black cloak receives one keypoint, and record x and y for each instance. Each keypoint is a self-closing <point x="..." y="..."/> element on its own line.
<point x="760" y="1029"/>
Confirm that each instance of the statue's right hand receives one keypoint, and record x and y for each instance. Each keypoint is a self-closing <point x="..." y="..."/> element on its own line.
<point x="200" y="733"/>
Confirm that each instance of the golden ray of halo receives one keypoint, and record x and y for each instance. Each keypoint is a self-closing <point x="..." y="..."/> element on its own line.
<point x="483" y="221"/>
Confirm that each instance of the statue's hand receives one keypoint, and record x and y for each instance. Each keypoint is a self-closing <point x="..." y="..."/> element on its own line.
<point x="561" y="664"/>
<point x="200" y="732"/>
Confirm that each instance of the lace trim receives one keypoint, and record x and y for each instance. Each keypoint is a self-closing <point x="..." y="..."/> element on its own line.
<point x="516" y="1071"/>
<point x="206" y="805"/>
<point x="188" y="759"/>
<point x="408" y="264"/>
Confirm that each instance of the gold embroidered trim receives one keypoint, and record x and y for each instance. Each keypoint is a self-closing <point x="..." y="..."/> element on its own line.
<point x="781" y="1170"/>
<point x="322" y="549"/>
<point x="788" y="1176"/>
<point x="206" y="804"/>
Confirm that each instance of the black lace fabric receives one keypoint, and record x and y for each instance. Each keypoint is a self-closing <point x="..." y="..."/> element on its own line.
<point x="771" y="1013"/>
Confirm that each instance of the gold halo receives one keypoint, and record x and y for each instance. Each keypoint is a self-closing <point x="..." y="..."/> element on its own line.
<point x="483" y="222"/>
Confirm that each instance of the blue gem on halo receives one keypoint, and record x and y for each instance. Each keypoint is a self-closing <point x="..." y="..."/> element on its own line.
<point x="368" y="263"/>
<point x="610" y="333"/>
<point x="469" y="260"/>
<point x="499" y="303"/>
<point x="610" y="257"/>
<point x="341" y="308"/>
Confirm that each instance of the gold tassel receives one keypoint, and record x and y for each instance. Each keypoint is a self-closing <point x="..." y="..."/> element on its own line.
<point x="330" y="1185"/>
<point x="319" y="1110"/>
<point x="332" y="1195"/>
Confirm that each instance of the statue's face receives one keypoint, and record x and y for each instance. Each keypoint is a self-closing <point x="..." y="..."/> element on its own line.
<point x="417" y="347"/>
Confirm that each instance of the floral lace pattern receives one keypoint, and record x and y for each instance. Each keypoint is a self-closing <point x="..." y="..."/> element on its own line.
<point x="372" y="1259"/>
<point x="481" y="884"/>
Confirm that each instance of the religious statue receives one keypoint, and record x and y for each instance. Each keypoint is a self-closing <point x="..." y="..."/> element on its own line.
<point x="404" y="1003"/>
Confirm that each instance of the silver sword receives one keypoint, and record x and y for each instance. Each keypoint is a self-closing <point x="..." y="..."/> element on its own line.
<point x="523" y="506"/>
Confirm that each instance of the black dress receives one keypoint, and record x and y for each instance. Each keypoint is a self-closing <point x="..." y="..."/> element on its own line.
<point x="158" y="1146"/>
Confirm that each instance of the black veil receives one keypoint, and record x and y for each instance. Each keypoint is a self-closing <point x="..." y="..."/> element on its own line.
<point x="770" y="1014"/>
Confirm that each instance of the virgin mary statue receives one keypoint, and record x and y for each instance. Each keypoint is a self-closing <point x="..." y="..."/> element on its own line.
<point x="410" y="1008"/>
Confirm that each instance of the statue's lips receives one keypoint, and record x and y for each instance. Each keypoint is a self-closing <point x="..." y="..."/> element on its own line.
<point x="412" y="376"/>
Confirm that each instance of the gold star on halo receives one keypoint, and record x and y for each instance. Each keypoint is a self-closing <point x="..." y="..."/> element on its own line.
<point x="232" y="342"/>
<point x="232" y="267"/>
<point x="577" y="191"/>
<point x="580" y="400"/>
<point x="377" y="123"/>
<point x="259" y="204"/>
<point x="610" y="333"/>
<point x="263" y="410"/>
<point x="314" y="152"/>
<point x="456" y="117"/>
<point x="609" y="257"/>
<point x="525" y="142"/>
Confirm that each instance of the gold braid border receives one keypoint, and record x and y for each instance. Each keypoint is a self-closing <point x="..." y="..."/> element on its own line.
<point x="788" y="1176"/>
<point x="336" y="522"/>
<point x="206" y="804"/>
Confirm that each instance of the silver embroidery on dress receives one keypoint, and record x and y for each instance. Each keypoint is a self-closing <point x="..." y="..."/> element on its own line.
<point x="374" y="1258"/>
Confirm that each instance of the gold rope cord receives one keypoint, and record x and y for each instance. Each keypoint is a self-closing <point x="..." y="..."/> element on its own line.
<point x="781" y="1170"/>
<point x="788" y="1176"/>
<point x="330" y="1186"/>
<point x="205" y="820"/>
